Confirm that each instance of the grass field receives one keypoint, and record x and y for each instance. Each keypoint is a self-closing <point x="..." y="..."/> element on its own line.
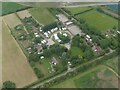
<point x="42" y="15"/>
<point x="44" y="66"/>
<point x="69" y="83"/>
<point x="113" y="63"/>
<point x="15" y="66"/>
<point x="76" y="51"/>
<point x="77" y="10"/>
<point x="101" y="78"/>
<point x="10" y="7"/>
<point x="98" y="20"/>
<point x="98" y="77"/>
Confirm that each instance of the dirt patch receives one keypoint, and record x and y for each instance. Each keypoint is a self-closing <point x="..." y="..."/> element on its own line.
<point x="23" y="14"/>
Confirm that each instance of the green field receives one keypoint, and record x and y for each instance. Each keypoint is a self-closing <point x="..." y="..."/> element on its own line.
<point x="10" y="7"/>
<point x="47" y="65"/>
<point x="42" y="15"/>
<point x="75" y="51"/>
<point x="98" y="20"/>
<point x="77" y="10"/>
<point x="113" y="64"/>
<point x="44" y="66"/>
<point x="98" y="77"/>
<point x="70" y="83"/>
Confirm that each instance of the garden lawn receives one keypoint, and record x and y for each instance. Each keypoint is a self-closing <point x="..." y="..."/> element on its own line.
<point x="42" y="15"/>
<point x="10" y="7"/>
<point x="46" y="63"/>
<point x="98" y="20"/>
<point x="77" y="10"/>
<point x="76" y="51"/>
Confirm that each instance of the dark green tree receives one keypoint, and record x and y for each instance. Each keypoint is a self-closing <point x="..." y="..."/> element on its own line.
<point x="34" y="57"/>
<point x="105" y="43"/>
<point x="88" y="54"/>
<point x="9" y="84"/>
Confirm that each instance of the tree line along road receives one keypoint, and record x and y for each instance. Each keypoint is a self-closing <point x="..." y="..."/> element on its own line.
<point x="66" y="72"/>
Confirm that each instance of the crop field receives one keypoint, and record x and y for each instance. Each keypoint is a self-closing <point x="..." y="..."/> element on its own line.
<point x="12" y="20"/>
<point x="15" y="66"/>
<point x="12" y="23"/>
<point x="10" y="7"/>
<point x="98" y="20"/>
<point x="77" y="10"/>
<point x="42" y="15"/>
<point x="99" y="77"/>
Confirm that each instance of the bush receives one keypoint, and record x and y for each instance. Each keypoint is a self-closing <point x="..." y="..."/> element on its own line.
<point x="63" y="38"/>
<point x="34" y="57"/>
<point x="107" y="50"/>
<point x="8" y="84"/>
<point x="38" y="73"/>
<point x="49" y="26"/>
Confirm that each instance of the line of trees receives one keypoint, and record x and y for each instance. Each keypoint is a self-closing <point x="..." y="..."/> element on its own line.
<point x="101" y="10"/>
<point x="50" y="26"/>
<point x="54" y="49"/>
<point x="79" y="70"/>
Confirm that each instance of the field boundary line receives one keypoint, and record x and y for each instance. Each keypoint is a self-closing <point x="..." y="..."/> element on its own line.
<point x="111" y="69"/>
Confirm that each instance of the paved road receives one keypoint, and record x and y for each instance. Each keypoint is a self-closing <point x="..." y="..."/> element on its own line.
<point x="92" y="4"/>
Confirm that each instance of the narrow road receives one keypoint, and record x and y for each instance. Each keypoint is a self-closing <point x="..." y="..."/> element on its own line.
<point x="64" y="73"/>
<point x="111" y="69"/>
<point x="110" y="13"/>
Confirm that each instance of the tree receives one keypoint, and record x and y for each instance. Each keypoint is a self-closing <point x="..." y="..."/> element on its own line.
<point x="65" y="39"/>
<point x="37" y="40"/>
<point x="82" y="21"/>
<point x="76" y="40"/>
<point x="34" y="57"/>
<point x="99" y="9"/>
<point x="47" y="53"/>
<point x="38" y="73"/>
<point x="95" y="39"/>
<point x="105" y="43"/>
<point x="9" y="84"/>
<point x="114" y="43"/>
<point x="114" y="27"/>
<point x="44" y="46"/>
<point x="49" y="26"/>
<point x="88" y="54"/>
